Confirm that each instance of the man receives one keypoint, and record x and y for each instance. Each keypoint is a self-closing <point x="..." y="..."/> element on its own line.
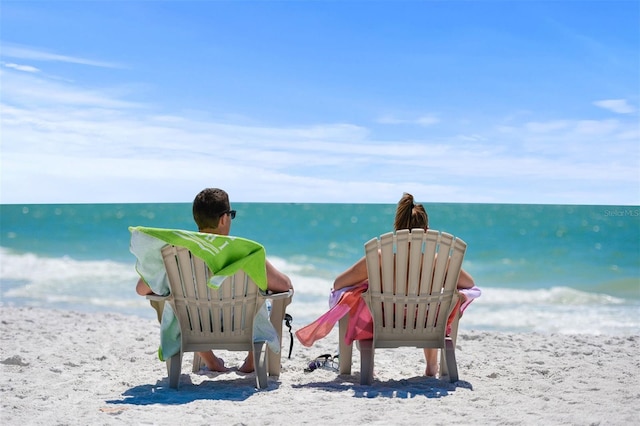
<point x="213" y="215"/>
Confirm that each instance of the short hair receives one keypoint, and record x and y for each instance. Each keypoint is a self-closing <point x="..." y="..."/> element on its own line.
<point x="208" y="206"/>
<point x="410" y="215"/>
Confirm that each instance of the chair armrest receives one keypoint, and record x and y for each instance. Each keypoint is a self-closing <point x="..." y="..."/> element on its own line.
<point x="276" y="296"/>
<point x="156" y="297"/>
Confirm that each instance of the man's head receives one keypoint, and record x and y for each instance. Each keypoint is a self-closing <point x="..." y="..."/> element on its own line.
<point x="212" y="211"/>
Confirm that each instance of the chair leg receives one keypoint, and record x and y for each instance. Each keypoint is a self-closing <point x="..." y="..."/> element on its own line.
<point x="198" y="363"/>
<point x="174" y="365"/>
<point x="345" y="351"/>
<point x="260" y="364"/>
<point x="366" y="361"/>
<point x="448" y="365"/>
<point x="278" y="309"/>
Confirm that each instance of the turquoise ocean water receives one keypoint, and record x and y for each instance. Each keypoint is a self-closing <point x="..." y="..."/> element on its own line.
<point x="545" y="268"/>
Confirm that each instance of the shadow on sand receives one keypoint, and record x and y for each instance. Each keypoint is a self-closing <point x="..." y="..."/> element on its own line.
<point x="427" y="387"/>
<point x="234" y="389"/>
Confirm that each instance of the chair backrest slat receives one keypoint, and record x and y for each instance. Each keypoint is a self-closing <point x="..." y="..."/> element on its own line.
<point x="415" y="261"/>
<point x="401" y="261"/>
<point x="426" y="280"/>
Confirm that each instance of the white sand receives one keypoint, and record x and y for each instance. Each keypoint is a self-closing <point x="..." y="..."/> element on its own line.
<point x="63" y="367"/>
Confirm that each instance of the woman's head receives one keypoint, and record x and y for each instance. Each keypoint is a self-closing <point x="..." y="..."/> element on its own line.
<point x="410" y="215"/>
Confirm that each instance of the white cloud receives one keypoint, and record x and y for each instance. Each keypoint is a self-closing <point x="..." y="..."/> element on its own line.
<point x="427" y="120"/>
<point x="25" y="68"/>
<point x="30" y="89"/>
<point x="472" y="138"/>
<point x="424" y="121"/>
<point x="21" y="52"/>
<point x="619" y="106"/>
<point x="62" y="143"/>
<point x="597" y="127"/>
<point x="100" y="155"/>
<point x="546" y="127"/>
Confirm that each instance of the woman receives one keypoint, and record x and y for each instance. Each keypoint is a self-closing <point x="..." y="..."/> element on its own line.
<point x="408" y="216"/>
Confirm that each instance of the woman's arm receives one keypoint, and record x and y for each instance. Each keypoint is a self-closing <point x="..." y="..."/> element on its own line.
<point x="465" y="280"/>
<point x="355" y="274"/>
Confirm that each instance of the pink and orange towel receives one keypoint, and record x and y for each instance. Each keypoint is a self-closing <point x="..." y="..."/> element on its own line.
<point x="343" y="301"/>
<point x="349" y="300"/>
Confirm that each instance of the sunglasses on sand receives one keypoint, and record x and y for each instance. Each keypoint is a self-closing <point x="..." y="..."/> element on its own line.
<point x="325" y="362"/>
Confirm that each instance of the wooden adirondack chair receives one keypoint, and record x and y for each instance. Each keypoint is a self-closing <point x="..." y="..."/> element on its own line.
<point x="412" y="291"/>
<point x="218" y="318"/>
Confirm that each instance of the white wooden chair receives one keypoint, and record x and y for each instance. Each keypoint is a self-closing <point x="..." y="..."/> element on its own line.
<point x="220" y="318"/>
<point x="412" y="290"/>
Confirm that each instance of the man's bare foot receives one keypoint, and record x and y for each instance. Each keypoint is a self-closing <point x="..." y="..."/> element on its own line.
<point x="247" y="365"/>
<point x="212" y="362"/>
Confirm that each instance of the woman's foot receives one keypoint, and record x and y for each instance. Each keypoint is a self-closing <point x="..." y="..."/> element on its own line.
<point x="431" y="371"/>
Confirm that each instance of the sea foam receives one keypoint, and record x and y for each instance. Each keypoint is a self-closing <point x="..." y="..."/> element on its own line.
<point x="64" y="283"/>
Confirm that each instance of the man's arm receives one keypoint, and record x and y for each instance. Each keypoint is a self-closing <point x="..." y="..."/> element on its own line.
<point x="277" y="282"/>
<point x="142" y="288"/>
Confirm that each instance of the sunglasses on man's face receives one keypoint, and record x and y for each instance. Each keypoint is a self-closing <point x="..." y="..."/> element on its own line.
<point x="231" y="213"/>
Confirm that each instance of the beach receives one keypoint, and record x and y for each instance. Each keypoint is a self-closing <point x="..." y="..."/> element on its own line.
<point x="66" y="367"/>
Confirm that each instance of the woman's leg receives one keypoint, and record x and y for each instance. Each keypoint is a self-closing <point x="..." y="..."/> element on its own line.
<point x="431" y="358"/>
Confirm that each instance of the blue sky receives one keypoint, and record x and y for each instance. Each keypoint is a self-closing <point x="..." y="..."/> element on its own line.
<point x="320" y="101"/>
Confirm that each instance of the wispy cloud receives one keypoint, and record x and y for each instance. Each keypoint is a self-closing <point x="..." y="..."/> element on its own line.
<point x="24" y="68"/>
<point x="123" y="155"/>
<point x="427" y="120"/>
<point x="546" y="127"/>
<point x="619" y="106"/>
<point x="64" y="143"/>
<point x="424" y="120"/>
<point x="11" y="50"/>
<point x="21" y="88"/>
